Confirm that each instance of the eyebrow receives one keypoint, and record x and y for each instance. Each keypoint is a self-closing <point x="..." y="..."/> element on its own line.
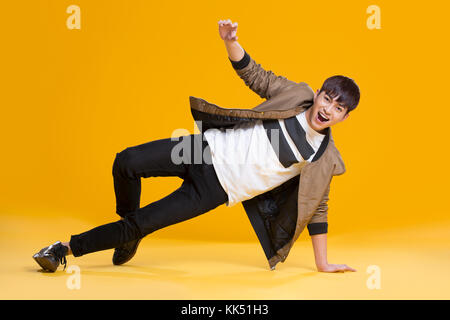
<point x="340" y="103"/>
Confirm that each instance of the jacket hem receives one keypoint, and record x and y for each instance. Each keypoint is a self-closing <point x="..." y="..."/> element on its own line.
<point x="209" y="108"/>
<point x="280" y="256"/>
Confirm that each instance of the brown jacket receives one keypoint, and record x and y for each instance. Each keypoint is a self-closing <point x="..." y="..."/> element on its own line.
<point x="279" y="215"/>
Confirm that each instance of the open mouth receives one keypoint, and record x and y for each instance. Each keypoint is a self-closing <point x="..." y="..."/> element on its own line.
<point x="322" y="118"/>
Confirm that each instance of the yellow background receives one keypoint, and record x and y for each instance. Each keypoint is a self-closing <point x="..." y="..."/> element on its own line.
<point x="72" y="99"/>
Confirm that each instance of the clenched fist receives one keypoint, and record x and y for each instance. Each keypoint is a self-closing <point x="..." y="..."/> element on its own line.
<point x="227" y="30"/>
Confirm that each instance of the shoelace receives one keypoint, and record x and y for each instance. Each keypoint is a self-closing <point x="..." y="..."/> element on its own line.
<point x="122" y="251"/>
<point x="60" y="253"/>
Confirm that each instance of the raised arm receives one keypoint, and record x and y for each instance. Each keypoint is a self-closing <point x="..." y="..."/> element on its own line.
<point x="263" y="82"/>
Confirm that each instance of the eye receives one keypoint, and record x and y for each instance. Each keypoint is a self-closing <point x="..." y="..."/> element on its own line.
<point x="326" y="98"/>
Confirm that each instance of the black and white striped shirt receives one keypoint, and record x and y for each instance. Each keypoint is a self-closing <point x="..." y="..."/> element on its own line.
<point x="254" y="157"/>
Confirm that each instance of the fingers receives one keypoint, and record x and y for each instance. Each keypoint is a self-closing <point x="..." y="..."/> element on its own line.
<point x="227" y="23"/>
<point x="336" y="268"/>
<point x="341" y="268"/>
<point x="344" y="267"/>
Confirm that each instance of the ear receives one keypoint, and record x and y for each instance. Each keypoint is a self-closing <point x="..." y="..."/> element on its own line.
<point x="345" y="117"/>
<point x="316" y="94"/>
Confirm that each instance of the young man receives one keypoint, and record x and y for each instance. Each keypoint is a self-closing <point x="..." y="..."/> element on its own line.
<point x="277" y="158"/>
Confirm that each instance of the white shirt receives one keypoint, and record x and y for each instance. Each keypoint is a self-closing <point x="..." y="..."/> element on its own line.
<point x="246" y="163"/>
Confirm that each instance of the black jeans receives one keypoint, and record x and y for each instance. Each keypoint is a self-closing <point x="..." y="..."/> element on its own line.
<point x="200" y="191"/>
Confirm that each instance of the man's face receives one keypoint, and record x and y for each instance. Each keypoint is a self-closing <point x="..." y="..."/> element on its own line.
<point x="325" y="112"/>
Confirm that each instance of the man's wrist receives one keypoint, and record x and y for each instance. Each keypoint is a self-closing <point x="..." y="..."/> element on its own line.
<point x="322" y="265"/>
<point x="242" y="62"/>
<point x="234" y="50"/>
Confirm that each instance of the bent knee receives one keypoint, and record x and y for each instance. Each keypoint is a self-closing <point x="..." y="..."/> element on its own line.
<point x="123" y="163"/>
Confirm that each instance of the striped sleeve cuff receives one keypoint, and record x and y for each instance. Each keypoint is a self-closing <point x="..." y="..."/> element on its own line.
<point x="317" y="228"/>
<point x="241" y="63"/>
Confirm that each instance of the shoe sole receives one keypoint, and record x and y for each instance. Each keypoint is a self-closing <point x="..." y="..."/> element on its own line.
<point x="130" y="256"/>
<point x="44" y="263"/>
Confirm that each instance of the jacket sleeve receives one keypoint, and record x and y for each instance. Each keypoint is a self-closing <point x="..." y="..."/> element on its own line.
<point x="319" y="221"/>
<point x="264" y="83"/>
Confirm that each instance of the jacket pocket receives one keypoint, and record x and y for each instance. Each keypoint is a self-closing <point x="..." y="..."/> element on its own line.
<point x="278" y="210"/>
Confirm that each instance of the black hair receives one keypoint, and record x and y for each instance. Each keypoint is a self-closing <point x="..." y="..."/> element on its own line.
<point x="345" y="88"/>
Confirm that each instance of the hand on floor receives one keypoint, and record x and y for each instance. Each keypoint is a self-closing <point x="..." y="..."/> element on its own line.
<point x="335" y="268"/>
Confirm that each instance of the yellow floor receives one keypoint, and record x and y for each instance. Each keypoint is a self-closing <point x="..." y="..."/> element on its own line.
<point x="414" y="263"/>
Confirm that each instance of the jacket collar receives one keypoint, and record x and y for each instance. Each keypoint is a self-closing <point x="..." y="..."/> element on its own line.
<point x="323" y="145"/>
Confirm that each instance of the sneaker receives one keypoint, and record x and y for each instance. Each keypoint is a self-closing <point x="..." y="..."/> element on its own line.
<point x="50" y="257"/>
<point x="125" y="252"/>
